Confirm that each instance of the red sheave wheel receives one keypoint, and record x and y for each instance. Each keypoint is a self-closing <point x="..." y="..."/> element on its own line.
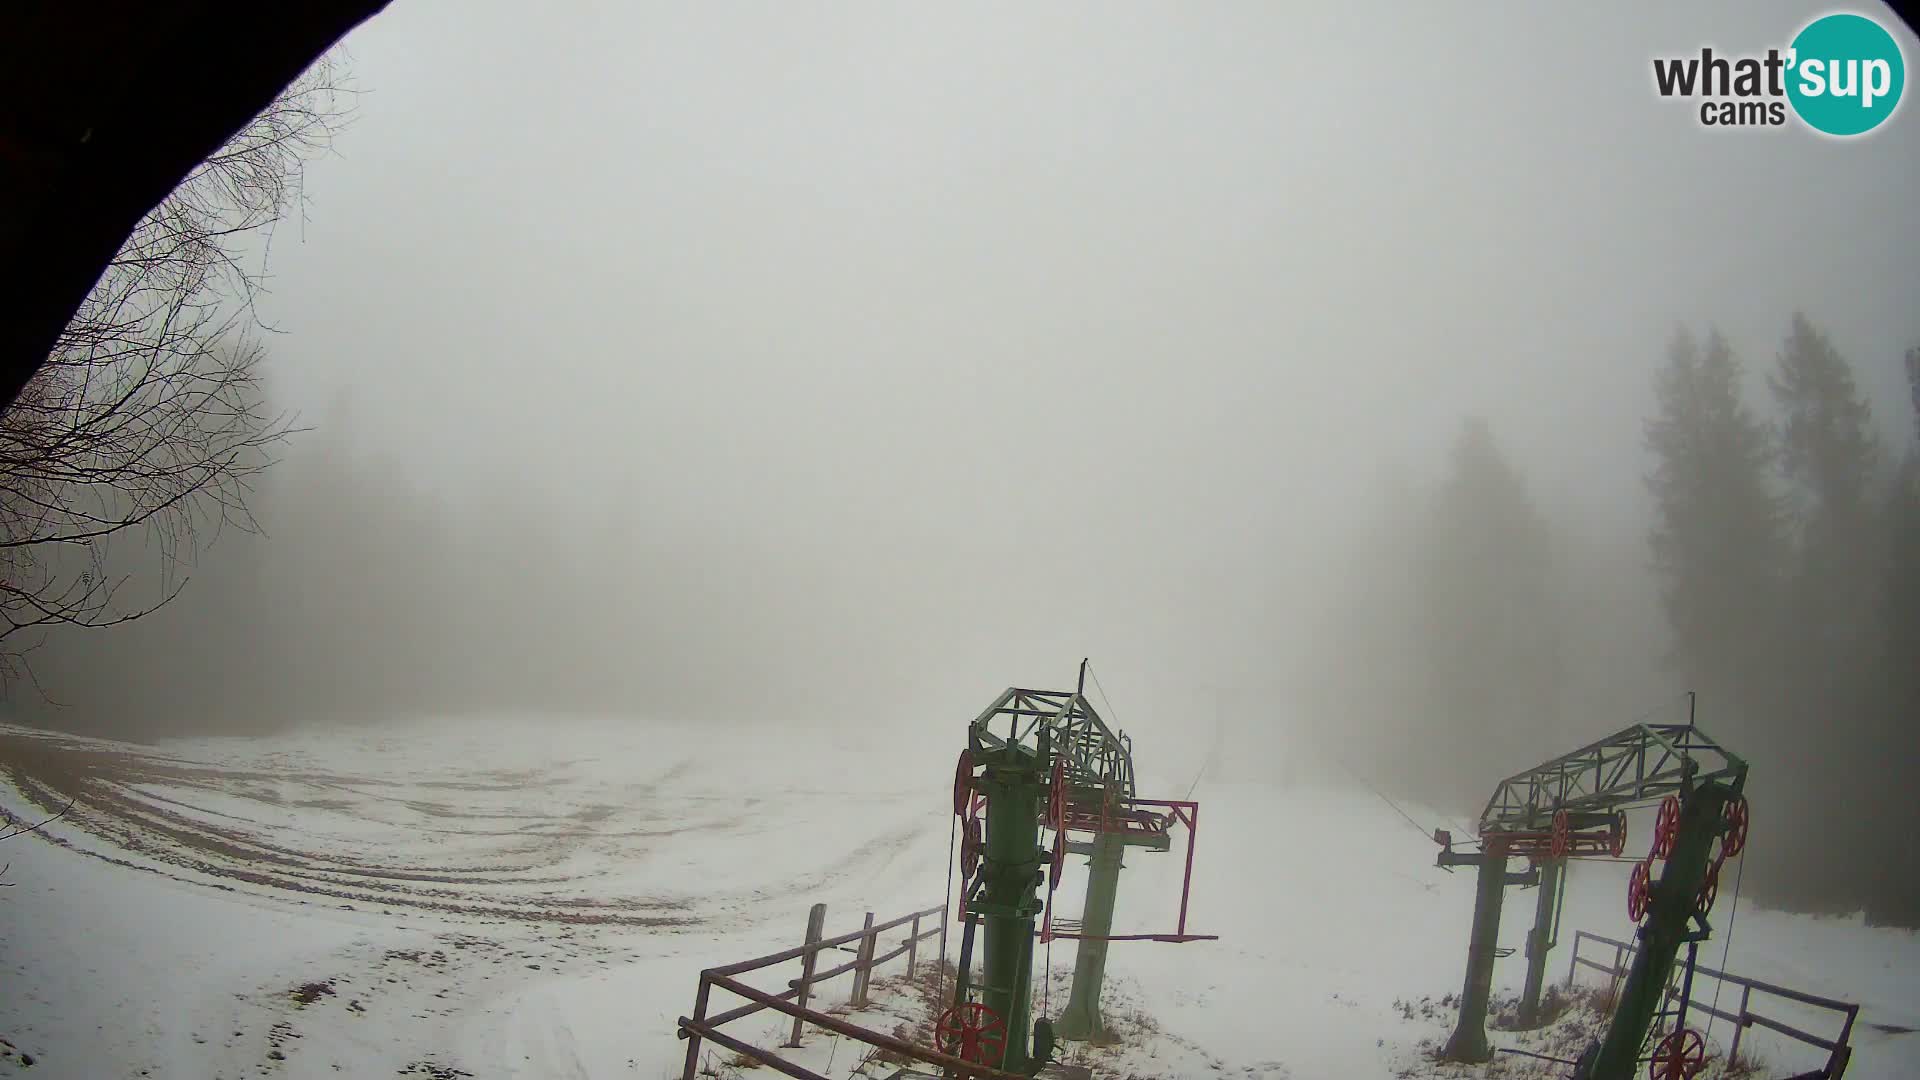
<point x="1562" y="834"/>
<point x="1680" y="1056"/>
<point x="1059" y="860"/>
<point x="1639" y="889"/>
<point x="972" y="846"/>
<point x="971" y="1032"/>
<point x="1735" y="838"/>
<point x="1617" y="843"/>
<point x="1666" y="827"/>
<point x="1709" y="888"/>
<point x="962" y="783"/>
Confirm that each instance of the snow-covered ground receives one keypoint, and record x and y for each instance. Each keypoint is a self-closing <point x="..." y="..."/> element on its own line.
<point x="535" y="899"/>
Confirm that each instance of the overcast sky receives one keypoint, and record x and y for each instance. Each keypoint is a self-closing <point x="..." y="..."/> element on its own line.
<point x="1036" y="330"/>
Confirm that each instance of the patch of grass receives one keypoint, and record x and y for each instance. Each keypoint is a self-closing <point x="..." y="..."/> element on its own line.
<point x="1424" y="1009"/>
<point x="882" y="1061"/>
<point x="308" y="993"/>
<point x="1573" y="1018"/>
<point x="1125" y="1025"/>
<point x="1555" y="1002"/>
<point x="1745" y="1066"/>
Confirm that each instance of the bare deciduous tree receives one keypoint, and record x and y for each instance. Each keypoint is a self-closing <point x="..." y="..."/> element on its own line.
<point x="147" y="417"/>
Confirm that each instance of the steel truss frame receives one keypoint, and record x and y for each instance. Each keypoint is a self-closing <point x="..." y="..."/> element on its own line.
<point x="1096" y="755"/>
<point x="1636" y="765"/>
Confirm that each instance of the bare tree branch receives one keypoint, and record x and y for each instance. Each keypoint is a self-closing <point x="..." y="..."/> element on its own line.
<point x="15" y="830"/>
<point x="149" y="415"/>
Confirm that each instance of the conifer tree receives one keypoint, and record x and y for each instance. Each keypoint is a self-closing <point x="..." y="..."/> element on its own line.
<point x="1488" y="616"/>
<point x="1718" y="540"/>
<point x="1834" y="629"/>
<point x="1895" y="894"/>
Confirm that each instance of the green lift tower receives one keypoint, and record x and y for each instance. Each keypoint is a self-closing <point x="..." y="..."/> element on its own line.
<point x="1043" y="759"/>
<point x="1574" y="807"/>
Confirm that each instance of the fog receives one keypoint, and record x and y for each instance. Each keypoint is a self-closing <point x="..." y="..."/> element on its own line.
<point x="843" y="365"/>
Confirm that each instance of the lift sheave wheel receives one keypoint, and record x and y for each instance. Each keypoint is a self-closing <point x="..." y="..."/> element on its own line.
<point x="971" y="1032"/>
<point x="1562" y="834"/>
<point x="972" y="846"/>
<point x="1666" y="827"/>
<point x="1680" y="1056"/>
<point x="1638" y="888"/>
<point x="962" y="783"/>
<point x="1059" y="861"/>
<point x="1683" y="778"/>
<point x="1709" y="887"/>
<point x="1736" y="835"/>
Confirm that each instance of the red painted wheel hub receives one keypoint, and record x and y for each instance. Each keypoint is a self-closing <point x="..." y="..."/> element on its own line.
<point x="962" y="783"/>
<point x="1639" y="889"/>
<point x="971" y="1032"/>
<point x="972" y="846"/>
<point x="1617" y="843"/>
<point x="1680" y="1056"/>
<point x="1666" y="827"/>
<point x="1562" y="835"/>
<point x="1709" y="887"/>
<point x="1735" y="838"/>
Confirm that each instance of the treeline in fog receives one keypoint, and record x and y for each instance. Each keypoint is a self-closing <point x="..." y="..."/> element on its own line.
<point x="369" y="593"/>
<point x="1475" y="623"/>
<point x="1486" y="627"/>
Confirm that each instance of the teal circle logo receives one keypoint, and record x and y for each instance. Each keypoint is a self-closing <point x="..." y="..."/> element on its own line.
<point x="1846" y="74"/>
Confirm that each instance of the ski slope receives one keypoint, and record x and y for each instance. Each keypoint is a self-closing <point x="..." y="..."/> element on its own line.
<point x="534" y="897"/>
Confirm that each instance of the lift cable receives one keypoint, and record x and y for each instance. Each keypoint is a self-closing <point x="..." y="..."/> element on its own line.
<point x="1115" y="717"/>
<point x="1425" y="833"/>
<point x="1104" y="699"/>
<point x="1559" y="906"/>
<point x="1191" y="788"/>
<point x="1046" y="988"/>
<point x="1531" y="1054"/>
<point x="1033" y="999"/>
<point x="1726" y="946"/>
<point x="946" y="898"/>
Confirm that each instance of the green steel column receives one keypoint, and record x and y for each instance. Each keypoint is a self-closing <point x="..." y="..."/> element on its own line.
<point x="1669" y="910"/>
<point x="1469" y="1039"/>
<point x="1540" y="940"/>
<point x="1014" y="787"/>
<point x="1081" y="1020"/>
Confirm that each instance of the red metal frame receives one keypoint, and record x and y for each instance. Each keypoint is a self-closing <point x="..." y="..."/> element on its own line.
<point x="1138" y="822"/>
<point x="1542" y="845"/>
<point x="1129" y="821"/>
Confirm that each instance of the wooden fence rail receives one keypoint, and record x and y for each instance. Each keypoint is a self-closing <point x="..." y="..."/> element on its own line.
<point x="865" y="941"/>
<point x="1837" y="1048"/>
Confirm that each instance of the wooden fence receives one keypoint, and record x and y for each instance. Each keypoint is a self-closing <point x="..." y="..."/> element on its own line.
<point x="864" y="942"/>
<point x="1837" y="1048"/>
